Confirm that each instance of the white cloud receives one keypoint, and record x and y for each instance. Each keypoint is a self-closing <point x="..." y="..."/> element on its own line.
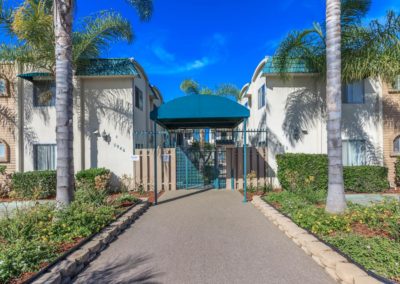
<point x="163" y="54"/>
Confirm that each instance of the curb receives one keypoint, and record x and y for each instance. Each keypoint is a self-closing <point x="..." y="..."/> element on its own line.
<point x="334" y="264"/>
<point x="66" y="269"/>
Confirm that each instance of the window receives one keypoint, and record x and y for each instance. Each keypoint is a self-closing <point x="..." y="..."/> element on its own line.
<point x="396" y="145"/>
<point x="354" y="153"/>
<point x="261" y="97"/>
<point x="353" y="93"/>
<point x="45" y="157"/>
<point x="138" y="98"/>
<point x="3" y="152"/>
<point x="3" y="88"/>
<point x="44" y="93"/>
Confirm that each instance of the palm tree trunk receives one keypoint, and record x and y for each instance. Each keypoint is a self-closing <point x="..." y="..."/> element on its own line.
<point x="64" y="101"/>
<point x="336" y="202"/>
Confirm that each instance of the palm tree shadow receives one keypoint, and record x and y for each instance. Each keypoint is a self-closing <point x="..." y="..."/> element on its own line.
<point x="132" y="269"/>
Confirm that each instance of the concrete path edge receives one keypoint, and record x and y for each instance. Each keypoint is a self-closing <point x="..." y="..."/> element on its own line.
<point x="335" y="265"/>
<point x="65" y="270"/>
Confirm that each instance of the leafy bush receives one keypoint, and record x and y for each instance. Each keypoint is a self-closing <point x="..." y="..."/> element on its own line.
<point x="34" y="185"/>
<point x="23" y="256"/>
<point x="377" y="254"/>
<point x="300" y="171"/>
<point x="125" y="198"/>
<point x="5" y="183"/>
<point x="98" y="178"/>
<point x="308" y="172"/>
<point x="364" y="179"/>
<point x="397" y="171"/>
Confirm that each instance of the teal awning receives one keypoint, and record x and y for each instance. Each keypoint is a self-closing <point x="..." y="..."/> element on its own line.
<point x="200" y="111"/>
<point x="32" y="75"/>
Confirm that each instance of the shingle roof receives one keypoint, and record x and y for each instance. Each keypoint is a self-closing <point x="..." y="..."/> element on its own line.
<point x="295" y="66"/>
<point x="107" y="67"/>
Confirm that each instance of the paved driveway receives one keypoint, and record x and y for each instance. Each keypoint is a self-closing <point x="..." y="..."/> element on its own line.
<point x="203" y="237"/>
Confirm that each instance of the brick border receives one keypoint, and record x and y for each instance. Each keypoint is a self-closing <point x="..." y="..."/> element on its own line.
<point x="66" y="269"/>
<point x="335" y="265"/>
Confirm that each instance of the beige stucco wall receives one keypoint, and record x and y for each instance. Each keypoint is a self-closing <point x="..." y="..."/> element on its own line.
<point x="8" y="106"/>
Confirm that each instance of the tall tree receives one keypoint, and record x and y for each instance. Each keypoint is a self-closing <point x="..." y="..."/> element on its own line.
<point x="64" y="100"/>
<point x="336" y="202"/>
<point x="345" y="45"/>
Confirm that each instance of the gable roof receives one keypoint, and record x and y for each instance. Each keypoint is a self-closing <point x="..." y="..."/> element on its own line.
<point x="107" y="67"/>
<point x="296" y="66"/>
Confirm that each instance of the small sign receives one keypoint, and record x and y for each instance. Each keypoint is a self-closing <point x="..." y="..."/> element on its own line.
<point x="135" y="158"/>
<point x="165" y="158"/>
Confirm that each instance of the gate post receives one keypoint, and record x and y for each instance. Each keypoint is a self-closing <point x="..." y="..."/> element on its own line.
<point x="155" y="162"/>
<point x="244" y="161"/>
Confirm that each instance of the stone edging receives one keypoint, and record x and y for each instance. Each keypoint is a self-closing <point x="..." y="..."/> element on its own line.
<point x="337" y="266"/>
<point x="65" y="270"/>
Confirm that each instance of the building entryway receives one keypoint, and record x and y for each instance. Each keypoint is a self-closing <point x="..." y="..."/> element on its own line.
<point x="203" y="236"/>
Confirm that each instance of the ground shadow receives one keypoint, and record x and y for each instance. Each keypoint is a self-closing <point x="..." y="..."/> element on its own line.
<point x="133" y="269"/>
<point x="184" y="196"/>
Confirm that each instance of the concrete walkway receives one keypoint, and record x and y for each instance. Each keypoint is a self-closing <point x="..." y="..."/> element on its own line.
<point x="203" y="237"/>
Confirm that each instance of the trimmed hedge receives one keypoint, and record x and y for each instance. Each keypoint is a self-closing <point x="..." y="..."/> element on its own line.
<point x="364" y="179"/>
<point x="397" y="171"/>
<point x="300" y="171"/>
<point x="310" y="172"/>
<point x="36" y="185"/>
<point x="88" y="177"/>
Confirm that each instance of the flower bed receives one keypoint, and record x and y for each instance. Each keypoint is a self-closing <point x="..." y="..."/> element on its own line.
<point x="369" y="235"/>
<point x="32" y="238"/>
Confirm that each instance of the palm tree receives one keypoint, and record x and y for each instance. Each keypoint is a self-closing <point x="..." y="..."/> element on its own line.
<point x="344" y="51"/>
<point x="336" y="202"/>
<point x="33" y="24"/>
<point x="191" y="87"/>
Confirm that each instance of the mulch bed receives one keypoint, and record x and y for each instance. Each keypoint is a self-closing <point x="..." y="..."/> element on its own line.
<point x="250" y="195"/>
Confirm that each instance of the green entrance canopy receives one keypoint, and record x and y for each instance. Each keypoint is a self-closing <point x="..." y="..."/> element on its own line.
<point x="200" y="111"/>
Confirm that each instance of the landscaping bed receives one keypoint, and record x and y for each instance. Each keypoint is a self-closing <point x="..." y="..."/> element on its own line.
<point x="370" y="235"/>
<point x="33" y="237"/>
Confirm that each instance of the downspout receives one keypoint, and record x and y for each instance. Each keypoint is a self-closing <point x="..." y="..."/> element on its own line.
<point x="82" y="122"/>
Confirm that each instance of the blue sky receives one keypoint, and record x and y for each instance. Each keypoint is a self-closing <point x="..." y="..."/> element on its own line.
<point x="211" y="41"/>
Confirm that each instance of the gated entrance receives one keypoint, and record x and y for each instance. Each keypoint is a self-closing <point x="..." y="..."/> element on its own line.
<point x="202" y="131"/>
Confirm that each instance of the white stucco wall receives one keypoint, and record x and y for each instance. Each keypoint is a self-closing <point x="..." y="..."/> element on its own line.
<point x="108" y="109"/>
<point x="360" y="121"/>
<point x="39" y="126"/>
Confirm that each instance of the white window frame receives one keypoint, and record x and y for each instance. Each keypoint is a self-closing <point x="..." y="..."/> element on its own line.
<point x="36" y="100"/>
<point x="347" y="147"/>
<point x="3" y="88"/>
<point x="4" y="158"/>
<point x="261" y="96"/>
<point x="35" y="156"/>
<point x="396" y="145"/>
<point x="349" y="96"/>
<point x="138" y="98"/>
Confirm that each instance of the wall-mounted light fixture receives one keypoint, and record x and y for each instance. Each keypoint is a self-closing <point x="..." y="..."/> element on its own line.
<point x="106" y="137"/>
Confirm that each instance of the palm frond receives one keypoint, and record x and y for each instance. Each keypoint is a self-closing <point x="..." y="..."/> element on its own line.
<point x="6" y="17"/>
<point x="98" y="33"/>
<point x="353" y="11"/>
<point x="190" y="87"/>
<point x="143" y="7"/>
<point x="227" y="89"/>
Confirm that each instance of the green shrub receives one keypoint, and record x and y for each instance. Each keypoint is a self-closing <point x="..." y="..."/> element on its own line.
<point x="364" y="179"/>
<point x="23" y="256"/>
<point x="98" y="178"/>
<point x="377" y="254"/>
<point x="37" y="184"/>
<point x="126" y="197"/>
<point x="303" y="171"/>
<point x="397" y="171"/>
<point x="308" y="172"/>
